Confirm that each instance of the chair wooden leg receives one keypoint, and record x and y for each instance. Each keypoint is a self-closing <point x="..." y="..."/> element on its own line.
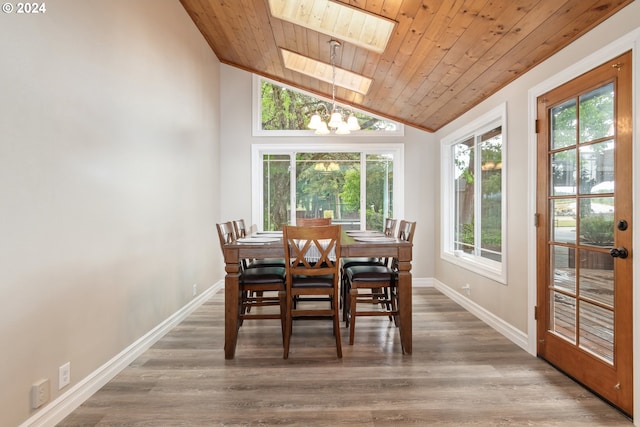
<point x="343" y="299"/>
<point x="336" y="327"/>
<point x="283" y="313"/>
<point x="353" y="297"/>
<point x="394" y="306"/>
<point x="347" y="303"/>
<point x="287" y="327"/>
<point x="242" y="308"/>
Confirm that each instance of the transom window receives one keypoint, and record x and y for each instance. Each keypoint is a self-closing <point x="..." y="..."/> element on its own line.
<point x="474" y="208"/>
<point x="281" y="110"/>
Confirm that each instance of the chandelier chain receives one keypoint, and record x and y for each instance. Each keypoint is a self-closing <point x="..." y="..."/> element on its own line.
<point x="334" y="45"/>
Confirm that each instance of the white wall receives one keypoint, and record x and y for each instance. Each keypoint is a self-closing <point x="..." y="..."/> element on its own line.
<point x="109" y="158"/>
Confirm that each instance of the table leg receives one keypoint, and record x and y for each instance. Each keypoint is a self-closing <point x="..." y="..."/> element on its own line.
<point x="231" y="325"/>
<point x="405" y="302"/>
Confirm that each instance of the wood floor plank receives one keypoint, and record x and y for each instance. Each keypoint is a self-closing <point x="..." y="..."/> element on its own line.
<point x="461" y="373"/>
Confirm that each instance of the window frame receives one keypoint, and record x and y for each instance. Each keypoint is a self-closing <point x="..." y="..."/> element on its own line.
<point x="257" y="116"/>
<point x="259" y="150"/>
<point x="495" y="270"/>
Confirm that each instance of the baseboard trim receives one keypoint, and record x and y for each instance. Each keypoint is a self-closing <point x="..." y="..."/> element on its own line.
<point x="515" y="335"/>
<point x="422" y="282"/>
<point x="66" y="403"/>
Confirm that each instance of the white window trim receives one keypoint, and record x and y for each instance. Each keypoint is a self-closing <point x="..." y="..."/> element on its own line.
<point x="258" y="150"/>
<point x="257" y="115"/>
<point x="482" y="266"/>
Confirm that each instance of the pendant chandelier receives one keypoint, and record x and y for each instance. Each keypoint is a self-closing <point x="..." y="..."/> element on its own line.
<point x="323" y="121"/>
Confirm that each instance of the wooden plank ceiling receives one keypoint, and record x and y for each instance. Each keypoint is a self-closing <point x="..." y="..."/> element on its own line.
<point x="443" y="57"/>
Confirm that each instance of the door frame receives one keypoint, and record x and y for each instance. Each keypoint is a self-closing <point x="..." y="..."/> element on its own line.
<point x="630" y="41"/>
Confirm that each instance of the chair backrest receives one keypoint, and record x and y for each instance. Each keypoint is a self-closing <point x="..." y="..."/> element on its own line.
<point x="225" y="233"/>
<point x="406" y="230"/>
<point x="308" y="222"/>
<point x="389" y="226"/>
<point x="312" y="251"/>
<point x="239" y="228"/>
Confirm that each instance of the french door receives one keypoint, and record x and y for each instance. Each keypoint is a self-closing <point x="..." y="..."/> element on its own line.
<point x="584" y="235"/>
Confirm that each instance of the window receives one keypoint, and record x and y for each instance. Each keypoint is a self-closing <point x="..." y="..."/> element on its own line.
<point x="279" y="110"/>
<point x="355" y="185"/>
<point x="473" y="205"/>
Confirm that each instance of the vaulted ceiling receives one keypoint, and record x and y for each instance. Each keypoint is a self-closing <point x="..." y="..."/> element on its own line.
<point x="443" y="56"/>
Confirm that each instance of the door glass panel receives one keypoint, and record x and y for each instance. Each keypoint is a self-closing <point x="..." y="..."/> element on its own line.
<point x="596" y="330"/>
<point x="596" y="221"/>
<point x="563" y="315"/>
<point x="563" y="166"/>
<point x="596" y="276"/>
<point x="563" y="218"/>
<point x="596" y="114"/>
<point x="596" y="168"/>
<point x="564" y="268"/>
<point x="563" y="125"/>
<point x="276" y="190"/>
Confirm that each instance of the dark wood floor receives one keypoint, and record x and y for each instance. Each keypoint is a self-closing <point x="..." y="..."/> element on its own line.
<point x="461" y="373"/>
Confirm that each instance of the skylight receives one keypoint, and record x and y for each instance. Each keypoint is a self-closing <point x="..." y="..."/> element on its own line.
<point x="323" y="71"/>
<point x="346" y="23"/>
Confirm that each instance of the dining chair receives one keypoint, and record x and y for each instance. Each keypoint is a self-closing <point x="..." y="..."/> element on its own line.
<point x="312" y="269"/>
<point x="308" y="222"/>
<point x="375" y="285"/>
<point x="242" y="232"/>
<point x="389" y="226"/>
<point x="240" y="228"/>
<point x="388" y="230"/>
<point x="311" y="222"/>
<point x="259" y="287"/>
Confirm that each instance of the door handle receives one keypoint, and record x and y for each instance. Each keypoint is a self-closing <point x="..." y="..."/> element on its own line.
<point x="619" y="252"/>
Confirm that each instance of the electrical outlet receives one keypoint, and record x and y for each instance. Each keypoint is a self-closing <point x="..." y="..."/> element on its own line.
<point x="64" y="375"/>
<point x="39" y="393"/>
<point x="195" y="289"/>
<point x="467" y="289"/>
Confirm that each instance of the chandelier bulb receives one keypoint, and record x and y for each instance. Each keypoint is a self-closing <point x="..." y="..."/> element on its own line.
<point x="315" y="121"/>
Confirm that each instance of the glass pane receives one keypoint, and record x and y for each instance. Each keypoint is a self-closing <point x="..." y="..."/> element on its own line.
<point x="379" y="190"/>
<point x="563" y="218"/>
<point x="563" y="316"/>
<point x="276" y="183"/>
<point x="463" y="158"/>
<point x="596" y="221"/>
<point x="596" y="168"/>
<point x="491" y="194"/>
<point x="563" y="125"/>
<point x="596" y="330"/>
<point x="564" y="268"/>
<point x="320" y="182"/>
<point x="348" y="213"/>
<point x="596" y="276"/>
<point x="282" y="108"/>
<point x="563" y="166"/>
<point x="596" y="114"/>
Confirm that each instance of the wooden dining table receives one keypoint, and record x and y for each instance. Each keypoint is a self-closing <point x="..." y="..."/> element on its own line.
<point x="260" y="248"/>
